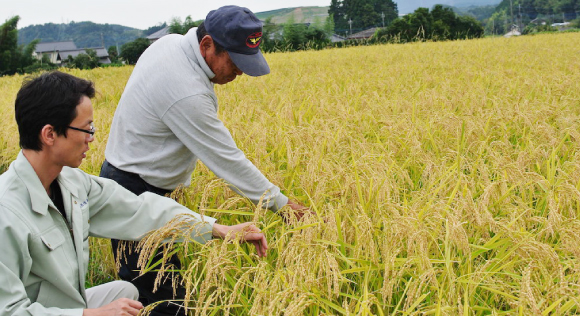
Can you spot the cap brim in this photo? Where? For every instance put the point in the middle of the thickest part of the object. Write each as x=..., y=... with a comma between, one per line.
x=253, y=65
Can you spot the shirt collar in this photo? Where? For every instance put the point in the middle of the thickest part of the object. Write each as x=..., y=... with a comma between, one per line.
x=189, y=43
x=38, y=197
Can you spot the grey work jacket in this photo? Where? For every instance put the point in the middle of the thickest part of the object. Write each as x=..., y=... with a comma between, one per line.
x=43, y=260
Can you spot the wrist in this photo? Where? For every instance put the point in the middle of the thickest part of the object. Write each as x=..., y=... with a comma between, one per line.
x=218, y=231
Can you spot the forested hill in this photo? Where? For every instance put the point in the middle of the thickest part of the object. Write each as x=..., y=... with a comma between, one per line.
x=84, y=34
x=408, y=6
x=299, y=14
x=531, y=9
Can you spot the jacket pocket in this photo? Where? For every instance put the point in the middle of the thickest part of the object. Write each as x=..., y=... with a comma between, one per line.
x=52, y=238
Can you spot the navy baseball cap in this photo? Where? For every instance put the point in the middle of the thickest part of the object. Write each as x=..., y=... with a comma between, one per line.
x=239, y=31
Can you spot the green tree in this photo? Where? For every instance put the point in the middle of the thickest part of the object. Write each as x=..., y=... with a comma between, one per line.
x=439, y=24
x=497, y=23
x=154, y=29
x=549, y=10
x=294, y=34
x=83, y=34
x=178, y=27
x=131, y=51
x=43, y=64
x=14, y=58
x=89, y=60
x=9, y=53
x=113, y=54
x=363, y=14
x=271, y=36
x=569, y=8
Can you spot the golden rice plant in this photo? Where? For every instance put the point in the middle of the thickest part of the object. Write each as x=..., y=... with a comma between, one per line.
x=445, y=178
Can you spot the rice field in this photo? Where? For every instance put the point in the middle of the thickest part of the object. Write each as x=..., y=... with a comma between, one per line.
x=445, y=178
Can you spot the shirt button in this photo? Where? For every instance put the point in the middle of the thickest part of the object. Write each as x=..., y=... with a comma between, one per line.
x=75, y=202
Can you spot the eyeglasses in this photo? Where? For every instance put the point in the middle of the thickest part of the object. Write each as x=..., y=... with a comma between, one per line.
x=88, y=131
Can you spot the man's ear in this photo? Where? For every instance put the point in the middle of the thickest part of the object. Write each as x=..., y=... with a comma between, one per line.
x=205, y=45
x=47, y=135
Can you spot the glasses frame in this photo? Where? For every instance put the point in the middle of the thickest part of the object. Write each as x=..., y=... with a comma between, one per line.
x=90, y=132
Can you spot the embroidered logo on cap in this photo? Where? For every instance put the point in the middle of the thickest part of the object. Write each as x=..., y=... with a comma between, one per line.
x=254, y=40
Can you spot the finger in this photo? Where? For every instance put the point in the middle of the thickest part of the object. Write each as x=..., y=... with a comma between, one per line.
x=264, y=243
x=262, y=246
x=135, y=304
x=253, y=236
x=259, y=243
x=133, y=311
x=259, y=249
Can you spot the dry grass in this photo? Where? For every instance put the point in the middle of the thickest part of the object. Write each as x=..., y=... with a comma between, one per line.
x=445, y=177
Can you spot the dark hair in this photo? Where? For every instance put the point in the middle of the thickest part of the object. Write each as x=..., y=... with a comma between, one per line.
x=50, y=98
x=201, y=32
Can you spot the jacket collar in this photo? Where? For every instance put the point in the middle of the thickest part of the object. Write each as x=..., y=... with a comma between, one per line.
x=38, y=197
x=190, y=45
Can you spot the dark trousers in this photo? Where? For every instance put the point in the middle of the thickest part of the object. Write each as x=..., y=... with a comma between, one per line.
x=130, y=254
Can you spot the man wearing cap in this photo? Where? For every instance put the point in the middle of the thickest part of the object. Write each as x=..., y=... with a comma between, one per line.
x=167, y=119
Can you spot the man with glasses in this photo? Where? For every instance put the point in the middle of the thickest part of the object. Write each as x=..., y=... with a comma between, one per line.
x=91, y=131
x=49, y=208
x=167, y=119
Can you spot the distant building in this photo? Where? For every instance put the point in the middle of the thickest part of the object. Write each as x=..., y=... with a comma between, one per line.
x=539, y=21
x=366, y=34
x=337, y=38
x=159, y=34
x=51, y=49
x=101, y=53
x=562, y=26
x=514, y=32
x=58, y=52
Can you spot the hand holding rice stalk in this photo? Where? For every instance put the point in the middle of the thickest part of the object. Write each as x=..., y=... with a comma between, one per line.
x=247, y=232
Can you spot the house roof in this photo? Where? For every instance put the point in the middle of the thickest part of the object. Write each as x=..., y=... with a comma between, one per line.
x=364, y=34
x=101, y=52
x=55, y=46
x=337, y=38
x=159, y=34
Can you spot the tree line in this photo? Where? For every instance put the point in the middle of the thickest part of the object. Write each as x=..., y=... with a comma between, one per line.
x=440, y=23
x=530, y=16
x=345, y=16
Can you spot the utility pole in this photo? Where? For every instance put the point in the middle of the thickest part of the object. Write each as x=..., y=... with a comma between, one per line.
x=512, y=10
x=383, y=16
x=520, y=26
x=350, y=25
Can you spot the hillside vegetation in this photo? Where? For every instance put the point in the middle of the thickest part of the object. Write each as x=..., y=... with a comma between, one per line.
x=445, y=178
x=83, y=34
x=299, y=15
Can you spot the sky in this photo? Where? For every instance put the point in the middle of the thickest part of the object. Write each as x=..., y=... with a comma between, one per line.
x=140, y=14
